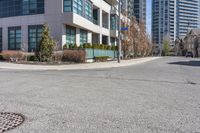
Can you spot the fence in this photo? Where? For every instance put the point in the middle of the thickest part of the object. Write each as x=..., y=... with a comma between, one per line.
x=91, y=53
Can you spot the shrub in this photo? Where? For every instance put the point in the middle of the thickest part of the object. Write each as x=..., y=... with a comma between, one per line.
x=1, y=57
x=65, y=47
x=46, y=46
x=80, y=47
x=58, y=56
x=107, y=47
x=113, y=47
x=101, y=46
x=87, y=45
x=166, y=48
x=101, y=58
x=95, y=46
x=77, y=56
x=32, y=58
x=13, y=55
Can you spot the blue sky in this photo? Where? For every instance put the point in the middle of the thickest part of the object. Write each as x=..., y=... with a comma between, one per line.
x=149, y=16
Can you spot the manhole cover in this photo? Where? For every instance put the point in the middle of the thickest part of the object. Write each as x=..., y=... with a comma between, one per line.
x=10, y=121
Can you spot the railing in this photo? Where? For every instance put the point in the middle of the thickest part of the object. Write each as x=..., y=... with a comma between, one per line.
x=91, y=53
x=105, y=25
x=95, y=21
x=113, y=10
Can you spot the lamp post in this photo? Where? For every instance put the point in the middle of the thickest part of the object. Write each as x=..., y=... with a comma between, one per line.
x=119, y=32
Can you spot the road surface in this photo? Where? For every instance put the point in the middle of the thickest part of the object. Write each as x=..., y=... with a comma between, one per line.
x=161, y=96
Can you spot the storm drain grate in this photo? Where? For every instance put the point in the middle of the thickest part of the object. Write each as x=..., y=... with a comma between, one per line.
x=10, y=121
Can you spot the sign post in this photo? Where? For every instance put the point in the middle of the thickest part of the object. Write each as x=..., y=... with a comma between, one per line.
x=119, y=30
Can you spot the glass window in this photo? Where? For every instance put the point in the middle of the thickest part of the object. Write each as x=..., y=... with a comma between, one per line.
x=112, y=40
x=33, y=7
x=67, y=5
x=1, y=40
x=9, y=8
x=14, y=38
x=83, y=36
x=34, y=36
x=70, y=35
x=88, y=10
x=78, y=7
x=113, y=22
x=81, y=7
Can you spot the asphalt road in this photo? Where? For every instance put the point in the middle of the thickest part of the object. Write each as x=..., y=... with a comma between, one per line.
x=161, y=96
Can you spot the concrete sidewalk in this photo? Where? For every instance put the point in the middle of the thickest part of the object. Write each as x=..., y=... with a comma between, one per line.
x=100, y=65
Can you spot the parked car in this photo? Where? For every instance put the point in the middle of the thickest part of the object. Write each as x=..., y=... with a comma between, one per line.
x=189, y=54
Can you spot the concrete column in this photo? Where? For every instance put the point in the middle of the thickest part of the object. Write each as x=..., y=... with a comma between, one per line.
x=63, y=34
x=24, y=31
x=100, y=38
x=5, y=38
x=101, y=25
x=109, y=40
x=109, y=43
x=109, y=21
x=100, y=18
x=77, y=36
x=89, y=37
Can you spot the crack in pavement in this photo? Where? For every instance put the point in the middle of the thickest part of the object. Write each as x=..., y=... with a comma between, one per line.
x=134, y=79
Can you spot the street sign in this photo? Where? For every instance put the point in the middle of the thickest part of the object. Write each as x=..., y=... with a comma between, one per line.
x=124, y=28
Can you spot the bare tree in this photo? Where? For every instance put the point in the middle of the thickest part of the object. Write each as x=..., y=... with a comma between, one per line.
x=135, y=41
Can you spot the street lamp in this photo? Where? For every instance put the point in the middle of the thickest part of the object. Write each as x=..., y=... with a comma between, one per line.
x=119, y=32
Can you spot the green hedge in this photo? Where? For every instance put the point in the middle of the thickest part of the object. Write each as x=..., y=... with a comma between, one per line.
x=32, y=58
x=1, y=57
x=88, y=45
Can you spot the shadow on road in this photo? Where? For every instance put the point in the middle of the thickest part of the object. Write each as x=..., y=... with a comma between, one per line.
x=186, y=63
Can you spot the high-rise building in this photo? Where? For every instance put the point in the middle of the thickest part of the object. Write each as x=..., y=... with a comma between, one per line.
x=70, y=21
x=188, y=16
x=136, y=8
x=139, y=10
x=173, y=18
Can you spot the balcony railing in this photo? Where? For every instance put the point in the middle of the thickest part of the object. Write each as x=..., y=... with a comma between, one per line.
x=105, y=25
x=113, y=10
x=91, y=53
x=95, y=21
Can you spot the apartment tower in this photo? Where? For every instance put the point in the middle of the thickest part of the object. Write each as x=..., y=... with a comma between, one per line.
x=71, y=22
x=173, y=18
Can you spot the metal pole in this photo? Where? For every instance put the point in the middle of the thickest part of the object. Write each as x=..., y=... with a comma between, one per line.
x=119, y=32
x=161, y=49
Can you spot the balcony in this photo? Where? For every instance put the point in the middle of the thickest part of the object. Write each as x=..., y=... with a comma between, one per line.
x=114, y=33
x=105, y=20
x=114, y=10
x=96, y=15
x=112, y=2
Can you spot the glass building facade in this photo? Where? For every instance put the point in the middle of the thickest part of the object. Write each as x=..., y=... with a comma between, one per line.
x=1, y=40
x=81, y=7
x=70, y=35
x=114, y=22
x=10, y=8
x=14, y=38
x=137, y=8
x=23, y=32
x=34, y=36
x=162, y=17
x=173, y=18
x=188, y=16
x=83, y=36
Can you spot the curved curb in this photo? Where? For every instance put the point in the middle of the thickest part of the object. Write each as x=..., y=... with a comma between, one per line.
x=101, y=65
